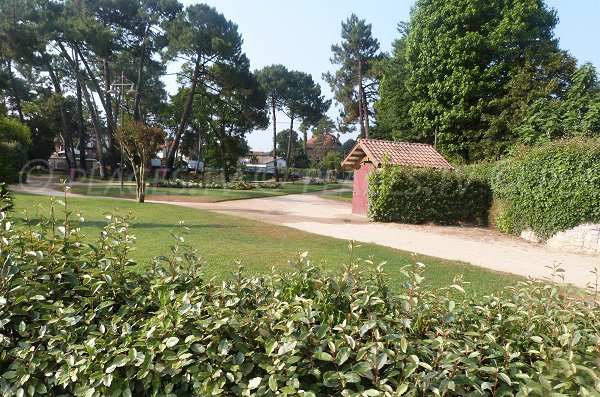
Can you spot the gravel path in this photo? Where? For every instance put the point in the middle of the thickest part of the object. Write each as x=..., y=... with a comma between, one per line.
x=479, y=246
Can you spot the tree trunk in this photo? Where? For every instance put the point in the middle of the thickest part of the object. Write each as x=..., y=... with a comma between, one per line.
x=184, y=119
x=81, y=130
x=90, y=104
x=361, y=115
x=96, y=124
x=110, y=127
x=275, y=170
x=222, y=151
x=289, y=149
x=365, y=112
x=142, y=184
x=140, y=72
x=13, y=84
x=305, y=136
x=67, y=133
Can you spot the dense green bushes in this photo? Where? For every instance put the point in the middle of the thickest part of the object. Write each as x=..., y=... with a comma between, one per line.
x=6, y=198
x=420, y=195
x=14, y=139
x=75, y=321
x=549, y=188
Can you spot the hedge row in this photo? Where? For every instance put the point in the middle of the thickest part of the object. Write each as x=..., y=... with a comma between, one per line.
x=549, y=188
x=13, y=157
x=421, y=195
x=75, y=321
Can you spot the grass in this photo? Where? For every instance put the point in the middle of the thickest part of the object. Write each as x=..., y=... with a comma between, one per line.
x=222, y=240
x=345, y=196
x=205, y=195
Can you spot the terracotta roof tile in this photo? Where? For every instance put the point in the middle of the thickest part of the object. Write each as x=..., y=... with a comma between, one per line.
x=401, y=153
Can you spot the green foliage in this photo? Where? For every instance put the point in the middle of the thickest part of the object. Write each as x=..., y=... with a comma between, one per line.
x=575, y=115
x=11, y=131
x=421, y=195
x=13, y=157
x=470, y=68
x=6, y=198
x=354, y=84
x=550, y=188
x=14, y=140
x=76, y=321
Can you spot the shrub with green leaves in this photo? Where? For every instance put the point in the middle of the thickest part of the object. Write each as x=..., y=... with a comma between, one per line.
x=421, y=195
x=75, y=321
x=14, y=139
x=6, y=198
x=549, y=188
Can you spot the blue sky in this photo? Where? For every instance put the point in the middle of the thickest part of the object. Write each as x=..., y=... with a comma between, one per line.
x=299, y=35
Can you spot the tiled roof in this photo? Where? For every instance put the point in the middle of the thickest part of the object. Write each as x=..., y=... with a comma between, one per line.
x=400, y=153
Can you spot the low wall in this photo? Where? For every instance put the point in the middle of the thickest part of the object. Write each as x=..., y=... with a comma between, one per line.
x=584, y=238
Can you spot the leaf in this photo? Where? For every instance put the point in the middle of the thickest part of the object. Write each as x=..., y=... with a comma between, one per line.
x=381, y=360
x=352, y=377
x=323, y=356
x=272, y=383
x=342, y=355
x=254, y=383
x=403, y=344
x=505, y=378
x=172, y=341
x=402, y=389
x=366, y=327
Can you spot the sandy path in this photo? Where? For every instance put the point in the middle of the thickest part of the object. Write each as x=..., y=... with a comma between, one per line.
x=478, y=246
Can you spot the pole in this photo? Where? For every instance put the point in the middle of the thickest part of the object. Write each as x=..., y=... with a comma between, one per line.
x=122, y=125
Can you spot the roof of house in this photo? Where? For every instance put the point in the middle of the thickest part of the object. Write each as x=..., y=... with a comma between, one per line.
x=327, y=138
x=400, y=153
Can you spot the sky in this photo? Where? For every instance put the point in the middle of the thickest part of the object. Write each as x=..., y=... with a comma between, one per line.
x=299, y=33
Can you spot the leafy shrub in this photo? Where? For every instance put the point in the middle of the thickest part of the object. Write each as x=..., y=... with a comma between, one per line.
x=75, y=321
x=13, y=157
x=420, y=195
x=6, y=198
x=236, y=185
x=550, y=188
x=14, y=139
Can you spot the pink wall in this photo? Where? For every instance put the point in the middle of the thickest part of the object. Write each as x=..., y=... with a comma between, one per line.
x=360, y=189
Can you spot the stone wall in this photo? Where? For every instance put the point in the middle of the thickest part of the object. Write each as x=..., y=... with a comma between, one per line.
x=584, y=238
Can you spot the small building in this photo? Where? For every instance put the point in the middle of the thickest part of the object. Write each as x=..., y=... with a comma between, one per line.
x=368, y=154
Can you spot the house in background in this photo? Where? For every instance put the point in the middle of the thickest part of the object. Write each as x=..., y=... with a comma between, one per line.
x=319, y=145
x=368, y=154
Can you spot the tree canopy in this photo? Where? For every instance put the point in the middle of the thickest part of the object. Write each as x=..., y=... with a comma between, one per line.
x=470, y=70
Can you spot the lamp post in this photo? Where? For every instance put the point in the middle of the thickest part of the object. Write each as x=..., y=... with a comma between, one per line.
x=122, y=104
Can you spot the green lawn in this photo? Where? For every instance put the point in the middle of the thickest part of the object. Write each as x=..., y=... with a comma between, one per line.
x=207, y=195
x=345, y=196
x=222, y=239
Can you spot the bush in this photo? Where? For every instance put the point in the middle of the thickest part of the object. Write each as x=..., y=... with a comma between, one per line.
x=75, y=321
x=549, y=188
x=421, y=195
x=13, y=157
x=6, y=198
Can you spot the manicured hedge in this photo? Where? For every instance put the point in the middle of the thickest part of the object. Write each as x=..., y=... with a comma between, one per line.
x=549, y=188
x=75, y=321
x=421, y=195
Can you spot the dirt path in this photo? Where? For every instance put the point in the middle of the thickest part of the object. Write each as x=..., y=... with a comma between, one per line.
x=478, y=246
